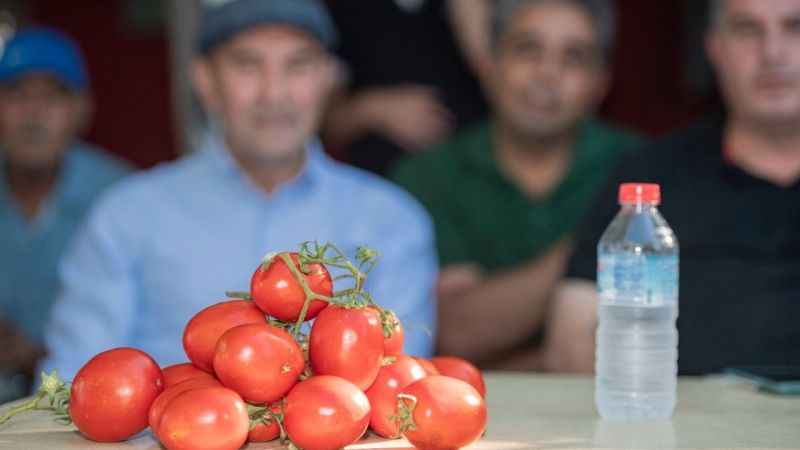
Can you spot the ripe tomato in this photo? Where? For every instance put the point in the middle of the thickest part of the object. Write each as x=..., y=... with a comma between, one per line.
x=347, y=343
x=449, y=413
x=111, y=395
x=382, y=394
x=161, y=402
x=204, y=330
x=205, y=419
x=275, y=290
x=260, y=362
x=325, y=413
x=393, y=345
x=265, y=432
x=462, y=369
x=181, y=372
x=426, y=364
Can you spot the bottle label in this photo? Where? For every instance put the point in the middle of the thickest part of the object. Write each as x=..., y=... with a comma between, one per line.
x=639, y=279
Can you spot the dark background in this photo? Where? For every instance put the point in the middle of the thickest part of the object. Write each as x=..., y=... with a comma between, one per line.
x=660, y=78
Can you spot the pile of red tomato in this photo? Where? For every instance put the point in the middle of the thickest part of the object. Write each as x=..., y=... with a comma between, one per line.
x=254, y=375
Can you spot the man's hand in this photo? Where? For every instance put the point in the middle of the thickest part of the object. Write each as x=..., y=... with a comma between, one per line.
x=505, y=308
x=569, y=343
x=411, y=116
x=458, y=278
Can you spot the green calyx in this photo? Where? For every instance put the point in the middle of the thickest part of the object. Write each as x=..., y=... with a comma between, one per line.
x=406, y=404
x=267, y=415
x=57, y=394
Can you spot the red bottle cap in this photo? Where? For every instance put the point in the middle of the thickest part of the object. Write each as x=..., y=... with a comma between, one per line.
x=633, y=193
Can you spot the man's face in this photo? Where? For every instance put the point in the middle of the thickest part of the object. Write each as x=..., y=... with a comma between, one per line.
x=39, y=118
x=549, y=71
x=755, y=48
x=268, y=85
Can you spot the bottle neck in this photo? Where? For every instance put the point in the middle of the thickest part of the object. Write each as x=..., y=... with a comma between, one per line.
x=639, y=208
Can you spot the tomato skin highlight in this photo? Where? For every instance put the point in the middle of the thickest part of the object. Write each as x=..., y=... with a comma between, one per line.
x=177, y=373
x=347, y=343
x=462, y=369
x=382, y=394
x=163, y=399
x=275, y=290
x=111, y=395
x=449, y=413
x=209, y=418
x=326, y=413
x=426, y=364
x=260, y=362
x=206, y=327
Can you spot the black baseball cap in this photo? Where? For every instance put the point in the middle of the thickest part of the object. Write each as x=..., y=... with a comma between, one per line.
x=222, y=19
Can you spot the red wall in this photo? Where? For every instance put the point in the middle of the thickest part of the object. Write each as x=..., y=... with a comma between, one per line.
x=649, y=91
x=129, y=72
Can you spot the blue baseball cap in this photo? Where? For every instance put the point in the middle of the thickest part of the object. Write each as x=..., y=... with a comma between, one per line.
x=222, y=19
x=43, y=50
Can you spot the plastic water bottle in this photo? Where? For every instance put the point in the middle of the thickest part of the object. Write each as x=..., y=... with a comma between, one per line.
x=637, y=282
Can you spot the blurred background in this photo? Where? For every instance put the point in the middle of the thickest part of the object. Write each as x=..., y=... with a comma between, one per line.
x=138, y=53
x=137, y=49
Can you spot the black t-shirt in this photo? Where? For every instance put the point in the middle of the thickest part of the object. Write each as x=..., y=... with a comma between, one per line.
x=739, y=239
x=387, y=44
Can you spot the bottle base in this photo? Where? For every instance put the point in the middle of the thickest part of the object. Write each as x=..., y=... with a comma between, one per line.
x=635, y=407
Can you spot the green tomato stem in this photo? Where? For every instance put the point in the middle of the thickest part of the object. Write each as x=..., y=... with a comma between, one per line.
x=27, y=406
x=238, y=294
x=52, y=388
x=309, y=294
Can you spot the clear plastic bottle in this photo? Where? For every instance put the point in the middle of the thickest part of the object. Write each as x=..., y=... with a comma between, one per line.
x=637, y=282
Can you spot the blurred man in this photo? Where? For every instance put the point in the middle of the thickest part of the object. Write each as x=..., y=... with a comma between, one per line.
x=165, y=244
x=731, y=192
x=506, y=196
x=48, y=180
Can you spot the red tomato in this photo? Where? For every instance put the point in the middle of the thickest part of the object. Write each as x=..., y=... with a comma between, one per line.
x=276, y=291
x=260, y=362
x=265, y=432
x=382, y=394
x=393, y=345
x=209, y=418
x=204, y=330
x=462, y=369
x=347, y=343
x=325, y=413
x=161, y=402
x=426, y=364
x=181, y=372
x=111, y=395
x=449, y=413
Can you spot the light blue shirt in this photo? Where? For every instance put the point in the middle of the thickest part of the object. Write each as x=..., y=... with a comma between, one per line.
x=30, y=250
x=166, y=243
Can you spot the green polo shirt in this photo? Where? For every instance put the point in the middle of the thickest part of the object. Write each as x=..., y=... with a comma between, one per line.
x=482, y=217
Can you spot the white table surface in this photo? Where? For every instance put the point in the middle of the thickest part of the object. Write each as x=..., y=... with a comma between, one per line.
x=545, y=412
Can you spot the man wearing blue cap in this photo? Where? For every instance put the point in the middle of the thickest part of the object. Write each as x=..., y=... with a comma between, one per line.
x=48, y=179
x=164, y=244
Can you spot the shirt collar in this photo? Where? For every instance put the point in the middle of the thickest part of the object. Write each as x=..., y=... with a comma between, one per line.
x=66, y=189
x=65, y=185
x=215, y=151
x=480, y=151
